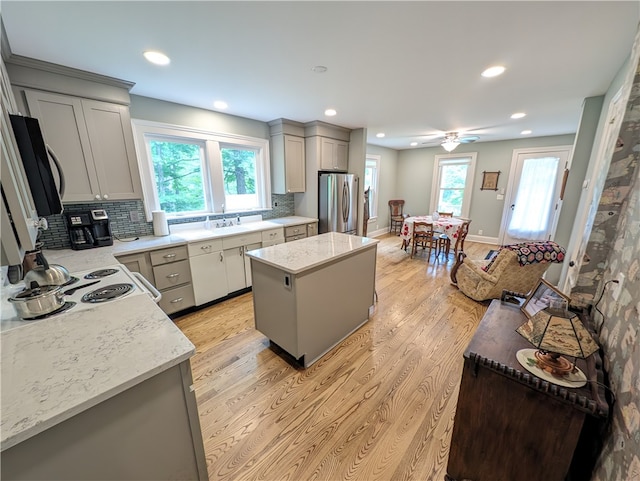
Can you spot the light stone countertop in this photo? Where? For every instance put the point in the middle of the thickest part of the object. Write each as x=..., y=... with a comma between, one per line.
x=311, y=252
x=195, y=231
x=56, y=368
x=53, y=369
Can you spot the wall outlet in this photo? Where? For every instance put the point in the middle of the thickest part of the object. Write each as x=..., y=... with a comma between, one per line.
x=480, y=232
x=134, y=216
x=617, y=288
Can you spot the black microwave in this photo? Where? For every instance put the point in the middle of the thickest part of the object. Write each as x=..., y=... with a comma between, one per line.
x=37, y=166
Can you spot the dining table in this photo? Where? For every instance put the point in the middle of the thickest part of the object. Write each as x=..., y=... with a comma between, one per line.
x=446, y=225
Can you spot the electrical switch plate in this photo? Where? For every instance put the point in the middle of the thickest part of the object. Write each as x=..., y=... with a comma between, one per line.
x=617, y=288
x=500, y=197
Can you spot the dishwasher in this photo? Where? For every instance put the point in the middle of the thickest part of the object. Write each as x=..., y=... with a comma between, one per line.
x=208, y=271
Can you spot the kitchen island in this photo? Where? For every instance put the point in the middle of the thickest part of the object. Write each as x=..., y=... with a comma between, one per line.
x=100, y=393
x=311, y=294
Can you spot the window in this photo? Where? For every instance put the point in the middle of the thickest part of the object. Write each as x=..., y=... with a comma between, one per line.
x=453, y=183
x=189, y=172
x=371, y=169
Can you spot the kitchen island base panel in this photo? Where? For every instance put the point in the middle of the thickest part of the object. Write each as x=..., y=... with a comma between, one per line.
x=309, y=313
x=150, y=431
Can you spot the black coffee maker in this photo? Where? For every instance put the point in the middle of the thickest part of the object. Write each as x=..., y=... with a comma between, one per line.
x=88, y=229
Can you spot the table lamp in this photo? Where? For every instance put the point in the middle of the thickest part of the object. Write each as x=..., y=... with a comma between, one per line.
x=555, y=332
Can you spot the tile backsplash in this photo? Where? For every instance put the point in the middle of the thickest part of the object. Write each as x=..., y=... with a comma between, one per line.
x=123, y=215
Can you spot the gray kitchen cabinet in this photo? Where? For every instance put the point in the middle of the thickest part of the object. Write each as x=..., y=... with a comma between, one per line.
x=334, y=154
x=208, y=271
x=312, y=229
x=238, y=267
x=169, y=271
x=140, y=262
x=94, y=143
x=172, y=276
x=295, y=232
x=287, y=157
x=149, y=431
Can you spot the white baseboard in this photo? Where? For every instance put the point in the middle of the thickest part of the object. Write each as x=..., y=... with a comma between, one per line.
x=482, y=239
x=378, y=233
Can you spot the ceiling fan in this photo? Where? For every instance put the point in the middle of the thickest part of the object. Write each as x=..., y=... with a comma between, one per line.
x=451, y=140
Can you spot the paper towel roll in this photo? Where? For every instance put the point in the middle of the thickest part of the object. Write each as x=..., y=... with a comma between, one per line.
x=160, y=224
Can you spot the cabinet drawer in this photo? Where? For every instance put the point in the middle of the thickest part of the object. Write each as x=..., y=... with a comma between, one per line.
x=296, y=230
x=170, y=275
x=176, y=299
x=241, y=240
x=166, y=256
x=204, y=247
x=296, y=237
x=273, y=235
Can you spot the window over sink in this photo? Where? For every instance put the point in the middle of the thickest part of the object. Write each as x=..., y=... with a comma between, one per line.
x=191, y=172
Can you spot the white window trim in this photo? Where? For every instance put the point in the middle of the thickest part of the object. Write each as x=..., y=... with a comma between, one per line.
x=468, y=189
x=211, y=142
x=374, y=205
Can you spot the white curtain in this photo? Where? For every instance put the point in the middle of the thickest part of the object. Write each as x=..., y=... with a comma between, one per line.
x=530, y=217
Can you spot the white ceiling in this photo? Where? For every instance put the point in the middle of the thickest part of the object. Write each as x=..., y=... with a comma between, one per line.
x=409, y=69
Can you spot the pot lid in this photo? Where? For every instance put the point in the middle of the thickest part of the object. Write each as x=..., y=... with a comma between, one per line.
x=34, y=292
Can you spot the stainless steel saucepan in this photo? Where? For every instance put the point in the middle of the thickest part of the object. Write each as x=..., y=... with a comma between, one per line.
x=37, y=300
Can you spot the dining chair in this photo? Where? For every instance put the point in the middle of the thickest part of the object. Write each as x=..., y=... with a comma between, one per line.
x=396, y=215
x=444, y=242
x=424, y=237
x=445, y=214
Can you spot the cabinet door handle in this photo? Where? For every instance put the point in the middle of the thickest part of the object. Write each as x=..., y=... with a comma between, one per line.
x=97, y=196
x=176, y=300
x=206, y=247
x=105, y=196
x=221, y=257
x=169, y=256
x=171, y=276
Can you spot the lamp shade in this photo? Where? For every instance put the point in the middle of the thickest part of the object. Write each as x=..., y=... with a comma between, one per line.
x=558, y=331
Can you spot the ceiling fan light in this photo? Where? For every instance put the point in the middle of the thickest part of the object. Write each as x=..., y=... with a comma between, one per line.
x=449, y=145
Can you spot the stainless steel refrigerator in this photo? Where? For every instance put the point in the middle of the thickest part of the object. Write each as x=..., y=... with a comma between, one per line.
x=337, y=203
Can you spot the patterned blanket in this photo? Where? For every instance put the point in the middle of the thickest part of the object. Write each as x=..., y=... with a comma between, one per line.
x=534, y=252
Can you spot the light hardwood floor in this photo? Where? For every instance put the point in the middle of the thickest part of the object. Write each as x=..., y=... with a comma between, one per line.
x=379, y=406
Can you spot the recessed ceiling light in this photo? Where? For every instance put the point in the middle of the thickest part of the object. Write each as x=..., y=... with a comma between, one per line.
x=330, y=112
x=319, y=69
x=525, y=132
x=220, y=104
x=413, y=144
x=518, y=115
x=380, y=135
x=157, y=58
x=493, y=71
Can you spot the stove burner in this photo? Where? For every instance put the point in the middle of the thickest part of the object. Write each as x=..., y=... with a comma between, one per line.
x=64, y=308
x=107, y=293
x=100, y=273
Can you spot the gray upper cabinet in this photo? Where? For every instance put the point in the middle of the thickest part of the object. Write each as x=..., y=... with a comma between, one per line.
x=334, y=154
x=327, y=146
x=287, y=157
x=93, y=141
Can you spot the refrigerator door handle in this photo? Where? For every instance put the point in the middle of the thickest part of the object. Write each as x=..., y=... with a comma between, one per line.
x=346, y=201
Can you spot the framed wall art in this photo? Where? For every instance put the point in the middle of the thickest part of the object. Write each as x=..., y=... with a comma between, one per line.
x=490, y=180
